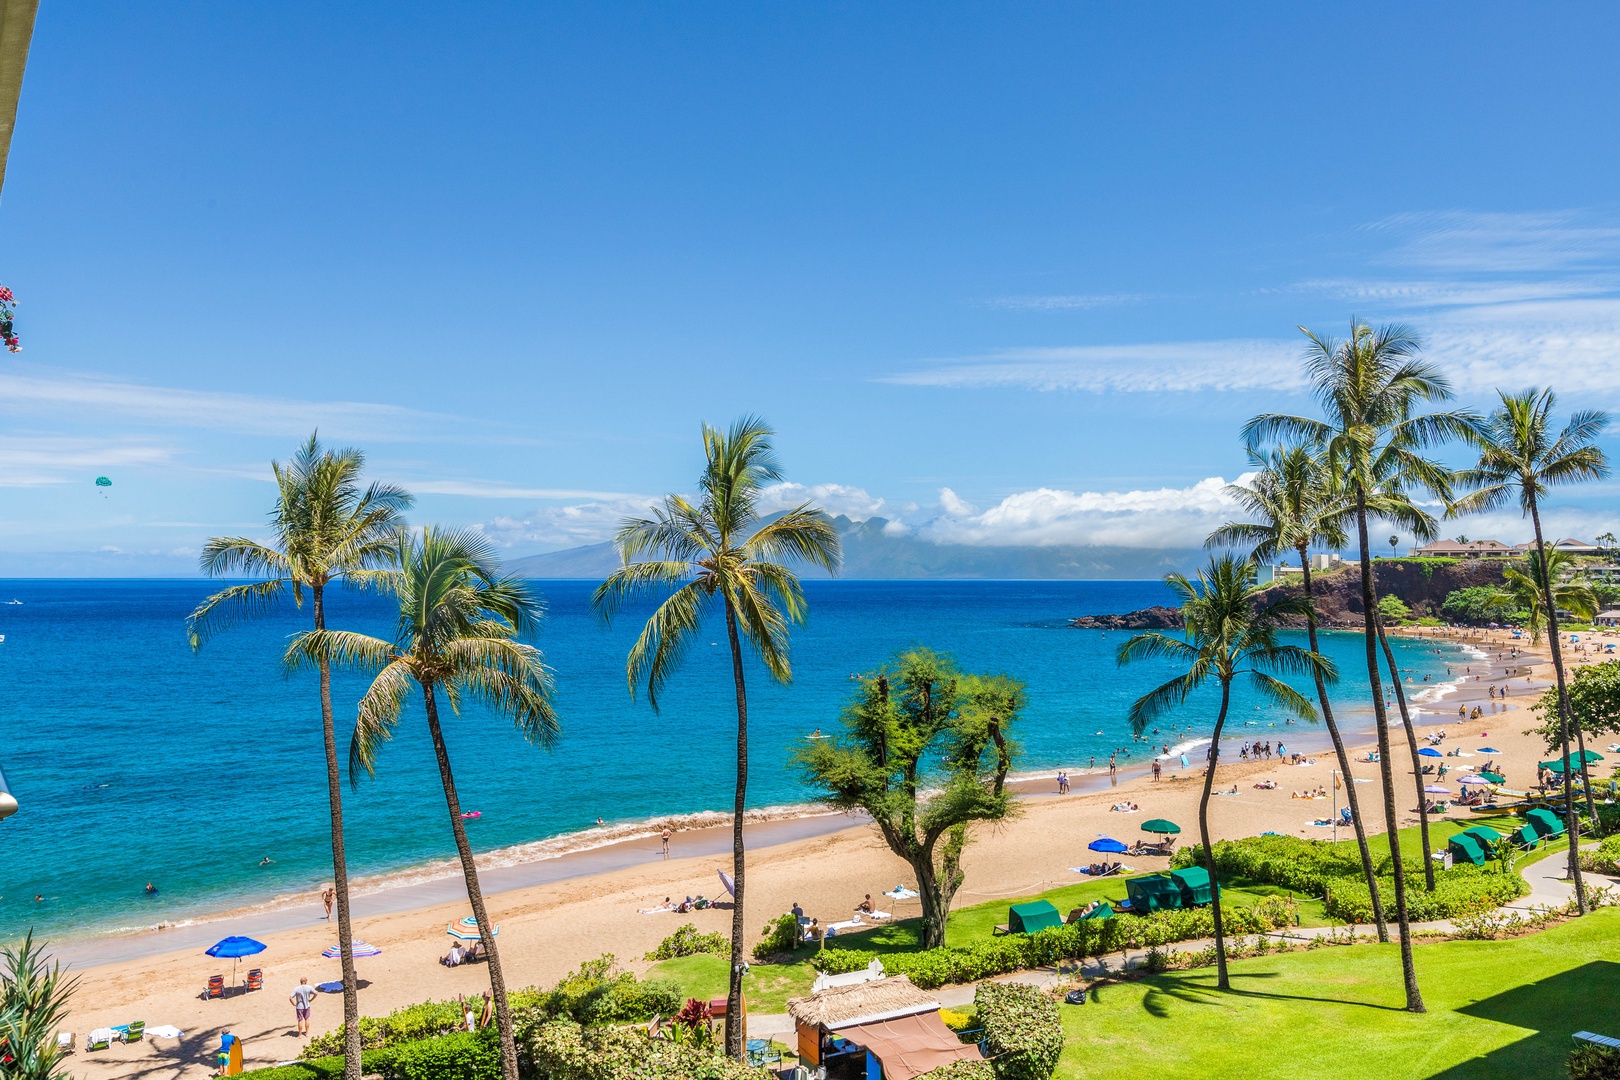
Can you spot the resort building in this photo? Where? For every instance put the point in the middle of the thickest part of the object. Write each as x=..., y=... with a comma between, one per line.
x=1607, y=618
x=1567, y=546
x=1471, y=549
x=874, y=1029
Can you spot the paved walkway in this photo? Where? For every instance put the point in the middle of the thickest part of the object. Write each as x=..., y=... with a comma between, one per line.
x=1547, y=889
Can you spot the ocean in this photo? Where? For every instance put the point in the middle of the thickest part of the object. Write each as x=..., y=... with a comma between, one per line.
x=136, y=760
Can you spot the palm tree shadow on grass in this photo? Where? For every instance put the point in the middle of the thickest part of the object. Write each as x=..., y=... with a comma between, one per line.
x=1162, y=989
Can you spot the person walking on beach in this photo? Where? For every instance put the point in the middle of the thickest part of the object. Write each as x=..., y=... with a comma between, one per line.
x=327, y=896
x=1156, y=768
x=226, y=1041
x=666, y=841
x=301, y=997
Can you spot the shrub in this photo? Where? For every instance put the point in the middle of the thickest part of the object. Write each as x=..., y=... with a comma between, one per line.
x=963, y=1070
x=562, y=1050
x=688, y=942
x=1604, y=860
x=957, y=1020
x=1589, y=1062
x=781, y=935
x=465, y=1055
x=1021, y=1025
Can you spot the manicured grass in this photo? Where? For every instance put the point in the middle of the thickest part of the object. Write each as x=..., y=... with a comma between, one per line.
x=1496, y=1009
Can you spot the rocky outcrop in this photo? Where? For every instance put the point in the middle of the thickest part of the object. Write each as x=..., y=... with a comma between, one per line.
x=1153, y=618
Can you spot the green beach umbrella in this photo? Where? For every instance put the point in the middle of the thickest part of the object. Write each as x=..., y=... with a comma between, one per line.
x=1160, y=825
x=1495, y=778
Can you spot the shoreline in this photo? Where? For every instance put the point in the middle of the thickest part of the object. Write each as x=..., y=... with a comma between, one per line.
x=581, y=854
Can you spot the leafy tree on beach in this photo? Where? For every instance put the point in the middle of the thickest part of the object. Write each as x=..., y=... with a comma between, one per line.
x=1293, y=503
x=723, y=548
x=1370, y=388
x=459, y=630
x=326, y=529
x=1478, y=604
x=1525, y=587
x=1520, y=457
x=926, y=754
x=1230, y=633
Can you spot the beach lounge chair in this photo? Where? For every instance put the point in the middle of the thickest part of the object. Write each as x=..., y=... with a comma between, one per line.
x=66, y=1042
x=134, y=1031
x=216, y=986
x=99, y=1039
x=255, y=979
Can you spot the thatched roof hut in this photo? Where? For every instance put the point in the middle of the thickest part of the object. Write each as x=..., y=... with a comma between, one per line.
x=886, y=1019
x=842, y=1006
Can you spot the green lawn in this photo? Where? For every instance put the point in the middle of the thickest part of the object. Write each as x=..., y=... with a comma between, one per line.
x=1496, y=1009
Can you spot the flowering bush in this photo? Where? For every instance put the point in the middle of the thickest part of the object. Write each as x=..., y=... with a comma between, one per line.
x=8, y=320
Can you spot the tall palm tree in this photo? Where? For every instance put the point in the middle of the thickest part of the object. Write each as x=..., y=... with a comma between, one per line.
x=723, y=547
x=1293, y=504
x=1370, y=387
x=325, y=529
x=1230, y=632
x=459, y=630
x=1519, y=456
x=1524, y=586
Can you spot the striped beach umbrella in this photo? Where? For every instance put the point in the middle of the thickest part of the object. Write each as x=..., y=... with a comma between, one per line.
x=467, y=930
x=361, y=948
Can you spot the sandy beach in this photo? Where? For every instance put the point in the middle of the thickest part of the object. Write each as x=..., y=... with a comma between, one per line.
x=550, y=927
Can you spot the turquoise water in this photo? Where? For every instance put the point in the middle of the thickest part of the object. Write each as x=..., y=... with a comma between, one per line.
x=135, y=760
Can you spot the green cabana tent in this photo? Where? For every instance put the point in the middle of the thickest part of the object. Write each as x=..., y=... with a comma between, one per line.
x=1545, y=822
x=1526, y=836
x=1101, y=911
x=1194, y=885
x=1466, y=848
x=1153, y=892
x=1485, y=835
x=1028, y=918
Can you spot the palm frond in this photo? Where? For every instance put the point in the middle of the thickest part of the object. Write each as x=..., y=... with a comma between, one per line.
x=228, y=607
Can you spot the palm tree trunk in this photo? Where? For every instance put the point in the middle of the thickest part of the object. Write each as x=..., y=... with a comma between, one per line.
x=1369, y=605
x=1563, y=709
x=1586, y=775
x=1221, y=981
x=475, y=895
x=736, y=1031
x=340, y=862
x=1417, y=759
x=1344, y=759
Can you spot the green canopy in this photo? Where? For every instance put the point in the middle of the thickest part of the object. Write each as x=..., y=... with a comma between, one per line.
x=1153, y=892
x=1194, y=884
x=1526, y=836
x=1101, y=911
x=1485, y=835
x=1028, y=918
x=1575, y=759
x=1466, y=848
x=1160, y=825
x=1545, y=822
x=1495, y=778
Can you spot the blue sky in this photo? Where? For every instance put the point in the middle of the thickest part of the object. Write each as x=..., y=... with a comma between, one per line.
x=1004, y=275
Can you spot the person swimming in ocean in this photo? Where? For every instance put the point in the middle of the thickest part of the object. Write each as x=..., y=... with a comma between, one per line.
x=151, y=889
x=266, y=861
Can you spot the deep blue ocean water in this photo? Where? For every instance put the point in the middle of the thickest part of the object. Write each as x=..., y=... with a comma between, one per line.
x=136, y=760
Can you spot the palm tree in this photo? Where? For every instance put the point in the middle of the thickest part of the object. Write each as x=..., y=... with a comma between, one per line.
x=1519, y=456
x=459, y=628
x=326, y=529
x=1294, y=503
x=722, y=548
x=1230, y=632
x=1370, y=387
x=1575, y=597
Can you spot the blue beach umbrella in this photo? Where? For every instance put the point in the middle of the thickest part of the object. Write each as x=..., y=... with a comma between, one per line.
x=1429, y=751
x=1489, y=750
x=233, y=949
x=1108, y=844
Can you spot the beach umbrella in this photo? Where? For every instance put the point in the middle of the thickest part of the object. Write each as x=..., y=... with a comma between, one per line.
x=233, y=949
x=467, y=930
x=1160, y=825
x=1495, y=778
x=725, y=880
x=361, y=948
x=1489, y=750
x=1108, y=844
x=1475, y=781
x=1436, y=789
x=1429, y=751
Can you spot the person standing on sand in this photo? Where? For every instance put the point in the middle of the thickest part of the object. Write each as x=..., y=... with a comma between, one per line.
x=226, y=1041
x=1155, y=770
x=301, y=997
x=326, y=899
x=487, y=1014
x=666, y=841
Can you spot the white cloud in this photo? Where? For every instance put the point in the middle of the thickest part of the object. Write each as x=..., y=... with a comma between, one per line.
x=1433, y=294
x=1161, y=366
x=835, y=499
x=29, y=394
x=27, y=461
x=1161, y=517
x=565, y=526
x=1501, y=242
x=495, y=489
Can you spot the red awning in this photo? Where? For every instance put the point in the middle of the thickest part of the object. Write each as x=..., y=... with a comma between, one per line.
x=911, y=1045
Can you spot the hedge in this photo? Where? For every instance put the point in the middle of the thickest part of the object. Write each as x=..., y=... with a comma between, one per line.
x=1319, y=868
x=989, y=957
x=1022, y=1027
x=562, y=1050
